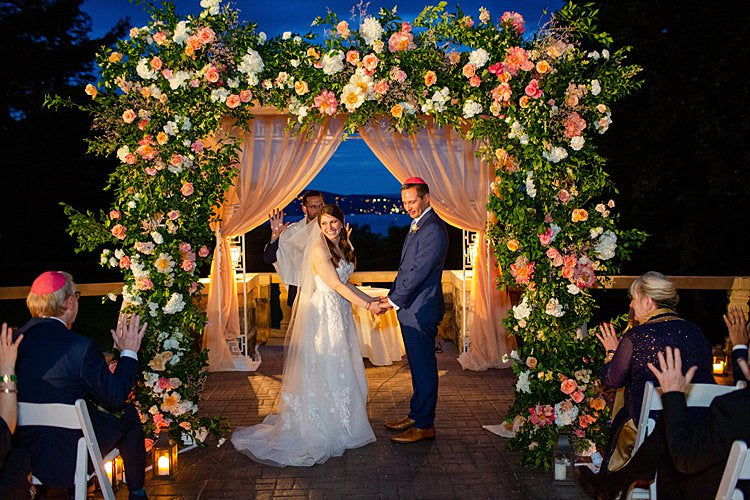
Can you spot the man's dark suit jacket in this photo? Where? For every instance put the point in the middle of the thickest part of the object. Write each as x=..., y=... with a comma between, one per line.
x=56, y=365
x=699, y=450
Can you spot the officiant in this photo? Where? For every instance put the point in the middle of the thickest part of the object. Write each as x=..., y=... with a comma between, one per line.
x=277, y=251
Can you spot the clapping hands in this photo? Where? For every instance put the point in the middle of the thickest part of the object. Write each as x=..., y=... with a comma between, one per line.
x=129, y=332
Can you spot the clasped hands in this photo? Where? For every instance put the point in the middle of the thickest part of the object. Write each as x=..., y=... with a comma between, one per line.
x=379, y=306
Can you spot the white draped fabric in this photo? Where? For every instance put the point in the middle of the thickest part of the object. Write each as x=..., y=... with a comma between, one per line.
x=274, y=167
x=459, y=189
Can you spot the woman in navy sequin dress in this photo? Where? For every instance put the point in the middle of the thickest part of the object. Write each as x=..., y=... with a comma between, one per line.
x=653, y=299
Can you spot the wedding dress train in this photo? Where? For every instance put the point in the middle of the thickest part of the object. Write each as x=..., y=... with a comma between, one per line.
x=322, y=406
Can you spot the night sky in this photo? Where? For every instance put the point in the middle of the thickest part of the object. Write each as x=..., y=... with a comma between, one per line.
x=353, y=160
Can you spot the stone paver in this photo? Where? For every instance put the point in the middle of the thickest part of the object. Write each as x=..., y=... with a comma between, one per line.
x=465, y=461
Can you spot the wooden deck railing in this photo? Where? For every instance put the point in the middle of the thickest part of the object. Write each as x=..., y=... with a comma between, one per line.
x=258, y=289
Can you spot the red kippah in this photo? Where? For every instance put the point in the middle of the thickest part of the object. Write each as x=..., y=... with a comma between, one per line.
x=415, y=180
x=48, y=282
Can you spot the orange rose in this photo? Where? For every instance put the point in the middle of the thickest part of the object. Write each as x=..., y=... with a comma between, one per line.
x=568, y=386
x=194, y=43
x=397, y=111
x=91, y=90
x=524, y=101
x=312, y=52
x=115, y=57
x=475, y=81
x=512, y=245
x=577, y=396
x=543, y=67
x=430, y=78
x=598, y=403
x=156, y=63
x=352, y=57
x=162, y=138
x=580, y=215
x=301, y=88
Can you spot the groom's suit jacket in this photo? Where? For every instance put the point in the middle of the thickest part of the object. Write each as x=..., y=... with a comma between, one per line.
x=56, y=365
x=417, y=290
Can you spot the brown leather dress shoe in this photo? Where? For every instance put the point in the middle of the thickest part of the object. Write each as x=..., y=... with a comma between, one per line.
x=399, y=425
x=414, y=435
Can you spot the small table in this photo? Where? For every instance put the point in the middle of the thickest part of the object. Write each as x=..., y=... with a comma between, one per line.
x=379, y=336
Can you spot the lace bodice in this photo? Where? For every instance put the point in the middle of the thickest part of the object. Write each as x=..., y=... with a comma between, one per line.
x=344, y=270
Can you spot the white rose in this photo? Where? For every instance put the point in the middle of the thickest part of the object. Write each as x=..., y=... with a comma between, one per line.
x=286, y=35
x=370, y=30
x=479, y=57
x=181, y=33
x=523, y=382
x=471, y=108
x=596, y=88
x=577, y=142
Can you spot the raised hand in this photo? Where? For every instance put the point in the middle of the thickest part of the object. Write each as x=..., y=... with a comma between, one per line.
x=8, y=350
x=349, y=230
x=276, y=218
x=607, y=336
x=737, y=325
x=669, y=374
x=129, y=332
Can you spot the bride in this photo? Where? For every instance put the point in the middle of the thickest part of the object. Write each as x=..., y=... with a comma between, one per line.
x=322, y=406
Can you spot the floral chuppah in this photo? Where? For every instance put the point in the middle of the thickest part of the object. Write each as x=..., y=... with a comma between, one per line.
x=533, y=106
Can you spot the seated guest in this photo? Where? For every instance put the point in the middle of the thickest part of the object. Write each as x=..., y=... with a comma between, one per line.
x=688, y=455
x=56, y=365
x=739, y=329
x=15, y=469
x=653, y=300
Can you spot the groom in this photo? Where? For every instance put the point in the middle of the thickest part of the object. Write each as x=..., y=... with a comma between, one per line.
x=417, y=296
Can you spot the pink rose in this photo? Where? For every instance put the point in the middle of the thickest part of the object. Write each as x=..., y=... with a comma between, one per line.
x=114, y=214
x=193, y=287
x=146, y=284
x=203, y=252
x=125, y=262
x=577, y=396
x=352, y=57
x=187, y=189
x=156, y=63
x=563, y=196
x=119, y=231
x=233, y=101
x=206, y=35
x=197, y=146
x=176, y=160
x=164, y=384
x=185, y=247
x=212, y=75
x=173, y=214
x=568, y=386
x=546, y=238
x=533, y=90
x=167, y=73
x=475, y=81
x=130, y=159
x=188, y=266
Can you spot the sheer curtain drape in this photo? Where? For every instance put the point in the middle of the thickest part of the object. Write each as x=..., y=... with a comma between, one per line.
x=459, y=188
x=274, y=168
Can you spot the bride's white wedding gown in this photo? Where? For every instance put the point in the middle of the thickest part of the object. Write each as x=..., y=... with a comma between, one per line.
x=322, y=408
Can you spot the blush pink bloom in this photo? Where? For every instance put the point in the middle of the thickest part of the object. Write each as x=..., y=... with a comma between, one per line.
x=568, y=386
x=401, y=41
x=119, y=231
x=203, y=252
x=532, y=89
x=468, y=22
x=114, y=214
x=187, y=189
x=542, y=415
x=370, y=62
x=185, y=247
x=555, y=257
x=577, y=396
x=176, y=160
x=546, y=238
x=212, y=75
x=326, y=102
x=515, y=20
x=522, y=270
x=130, y=159
x=343, y=30
x=563, y=195
x=517, y=59
x=188, y=266
x=167, y=73
x=206, y=35
x=197, y=146
x=193, y=287
x=124, y=262
x=469, y=70
x=160, y=37
x=164, y=384
x=475, y=81
x=173, y=214
x=381, y=87
x=574, y=125
x=145, y=284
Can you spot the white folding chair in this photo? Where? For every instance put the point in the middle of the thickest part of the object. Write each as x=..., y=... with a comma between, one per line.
x=697, y=395
x=72, y=417
x=738, y=467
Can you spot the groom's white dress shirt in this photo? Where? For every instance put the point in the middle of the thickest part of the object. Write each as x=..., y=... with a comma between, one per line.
x=287, y=261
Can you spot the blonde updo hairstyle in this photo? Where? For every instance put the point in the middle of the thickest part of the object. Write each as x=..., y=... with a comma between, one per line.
x=658, y=288
x=51, y=304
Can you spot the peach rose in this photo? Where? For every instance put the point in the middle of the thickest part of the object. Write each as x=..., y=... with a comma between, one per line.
x=475, y=81
x=187, y=189
x=119, y=231
x=188, y=266
x=598, y=403
x=343, y=30
x=206, y=35
x=370, y=62
x=124, y=262
x=381, y=87
x=176, y=160
x=233, y=101
x=312, y=52
x=194, y=43
x=543, y=67
x=397, y=111
x=523, y=101
x=352, y=57
x=160, y=37
x=91, y=90
x=114, y=214
x=212, y=75
x=162, y=138
x=531, y=362
x=568, y=386
x=129, y=116
x=430, y=78
x=246, y=95
x=130, y=159
x=512, y=245
x=577, y=396
x=301, y=88
x=156, y=63
x=469, y=70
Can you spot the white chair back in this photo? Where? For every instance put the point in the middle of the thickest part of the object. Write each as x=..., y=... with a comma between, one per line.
x=72, y=417
x=697, y=396
x=738, y=467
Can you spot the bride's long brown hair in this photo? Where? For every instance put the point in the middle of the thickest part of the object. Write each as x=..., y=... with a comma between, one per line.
x=345, y=246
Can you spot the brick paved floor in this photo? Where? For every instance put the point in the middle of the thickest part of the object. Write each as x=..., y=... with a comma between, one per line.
x=465, y=461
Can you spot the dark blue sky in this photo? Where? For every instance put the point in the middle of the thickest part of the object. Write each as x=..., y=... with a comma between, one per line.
x=353, y=169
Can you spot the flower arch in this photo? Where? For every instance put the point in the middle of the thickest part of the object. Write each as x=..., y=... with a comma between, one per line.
x=534, y=104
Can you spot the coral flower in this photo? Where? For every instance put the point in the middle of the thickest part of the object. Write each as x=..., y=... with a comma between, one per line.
x=430, y=78
x=568, y=386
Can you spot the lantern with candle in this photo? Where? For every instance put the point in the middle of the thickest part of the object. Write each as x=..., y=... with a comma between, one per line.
x=164, y=454
x=719, y=361
x=563, y=460
x=115, y=472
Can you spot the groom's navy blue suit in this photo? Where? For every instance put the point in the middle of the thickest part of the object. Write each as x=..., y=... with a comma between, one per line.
x=418, y=293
